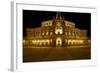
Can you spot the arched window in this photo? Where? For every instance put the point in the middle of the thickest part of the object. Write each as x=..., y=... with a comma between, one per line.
x=58, y=41
x=51, y=33
x=47, y=33
x=66, y=33
x=43, y=33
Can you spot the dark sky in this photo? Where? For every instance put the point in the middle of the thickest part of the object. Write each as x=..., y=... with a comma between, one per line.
x=32, y=19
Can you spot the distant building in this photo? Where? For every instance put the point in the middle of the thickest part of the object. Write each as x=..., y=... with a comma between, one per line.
x=57, y=32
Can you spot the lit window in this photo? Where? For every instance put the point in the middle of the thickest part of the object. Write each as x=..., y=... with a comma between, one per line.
x=73, y=33
x=51, y=33
x=47, y=33
x=58, y=41
x=58, y=30
x=66, y=33
x=69, y=33
x=42, y=33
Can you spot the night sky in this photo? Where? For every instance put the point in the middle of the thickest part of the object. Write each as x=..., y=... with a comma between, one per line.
x=33, y=19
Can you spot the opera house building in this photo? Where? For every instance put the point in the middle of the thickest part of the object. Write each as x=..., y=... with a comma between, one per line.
x=57, y=32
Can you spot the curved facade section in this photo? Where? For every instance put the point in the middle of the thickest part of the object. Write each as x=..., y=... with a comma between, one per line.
x=47, y=23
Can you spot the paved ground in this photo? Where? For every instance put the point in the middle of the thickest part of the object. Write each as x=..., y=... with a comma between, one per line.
x=55, y=54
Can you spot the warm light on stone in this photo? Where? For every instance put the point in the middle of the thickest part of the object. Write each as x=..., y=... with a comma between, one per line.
x=57, y=33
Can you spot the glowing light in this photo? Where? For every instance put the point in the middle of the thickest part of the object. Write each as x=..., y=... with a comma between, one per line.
x=58, y=41
x=75, y=42
x=80, y=41
x=51, y=33
x=57, y=31
x=47, y=33
x=33, y=41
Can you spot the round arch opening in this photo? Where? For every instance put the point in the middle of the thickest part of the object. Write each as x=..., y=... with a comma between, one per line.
x=58, y=41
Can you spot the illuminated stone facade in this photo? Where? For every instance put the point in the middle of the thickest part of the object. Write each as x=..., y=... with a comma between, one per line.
x=57, y=32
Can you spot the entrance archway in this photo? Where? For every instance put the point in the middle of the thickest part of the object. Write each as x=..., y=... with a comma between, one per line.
x=58, y=41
